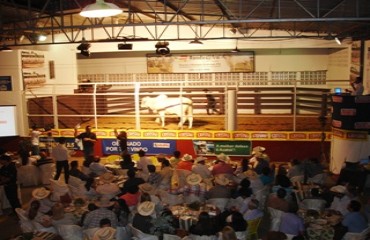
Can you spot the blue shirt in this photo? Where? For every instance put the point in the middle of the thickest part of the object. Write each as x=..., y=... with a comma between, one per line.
x=355, y=222
x=291, y=224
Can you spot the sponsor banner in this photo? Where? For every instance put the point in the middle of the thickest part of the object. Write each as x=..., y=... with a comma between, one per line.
x=205, y=62
x=348, y=112
x=209, y=135
x=230, y=148
x=362, y=125
x=354, y=135
x=111, y=146
x=337, y=99
x=336, y=123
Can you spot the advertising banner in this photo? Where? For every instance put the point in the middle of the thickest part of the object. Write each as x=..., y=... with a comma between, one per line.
x=206, y=62
x=230, y=148
x=111, y=146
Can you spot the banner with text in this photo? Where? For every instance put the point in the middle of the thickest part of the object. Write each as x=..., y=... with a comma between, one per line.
x=111, y=146
x=205, y=62
x=230, y=148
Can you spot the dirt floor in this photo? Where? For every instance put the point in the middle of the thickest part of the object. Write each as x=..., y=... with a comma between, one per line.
x=217, y=122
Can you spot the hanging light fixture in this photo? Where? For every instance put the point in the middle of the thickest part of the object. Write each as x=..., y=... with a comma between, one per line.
x=100, y=9
x=195, y=41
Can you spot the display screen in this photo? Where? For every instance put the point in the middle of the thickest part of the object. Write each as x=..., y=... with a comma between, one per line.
x=8, y=121
x=338, y=90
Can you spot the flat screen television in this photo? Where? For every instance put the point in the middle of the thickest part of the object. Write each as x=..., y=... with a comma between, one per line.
x=8, y=121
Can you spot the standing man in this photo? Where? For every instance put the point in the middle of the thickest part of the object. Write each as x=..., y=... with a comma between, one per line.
x=211, y=103
x=60, y=154
x=88, y=140
x=35, y=140
x=122, y=138
x=8, y=178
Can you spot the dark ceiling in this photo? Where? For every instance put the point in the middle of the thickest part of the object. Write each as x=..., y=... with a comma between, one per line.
x=21, y=19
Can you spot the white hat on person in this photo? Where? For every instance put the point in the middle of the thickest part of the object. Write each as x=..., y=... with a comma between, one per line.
x=146, y=208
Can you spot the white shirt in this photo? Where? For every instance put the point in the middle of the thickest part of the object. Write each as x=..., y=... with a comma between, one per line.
x=143, y=163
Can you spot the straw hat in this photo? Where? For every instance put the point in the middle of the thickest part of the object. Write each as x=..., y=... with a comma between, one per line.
x=258, y=149
x=40, y=193
x=250, y=174
x=200, y=159
x=147, y=188
x=104, y=202
x=223, y=157
x=339, y=189
x=146, y=208
x=107, y=177
x=187, y=157
x=221, y=179
x=105, y=233
x=193, y=179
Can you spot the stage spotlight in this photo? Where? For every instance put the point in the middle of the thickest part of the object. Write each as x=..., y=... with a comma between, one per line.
x=162, y=48
x=84, y=48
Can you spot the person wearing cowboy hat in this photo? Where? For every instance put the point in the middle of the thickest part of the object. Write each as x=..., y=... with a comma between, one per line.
x=200, y=167
x=107, y=188
x=105, y=232
x=92, y=219
x=97, y=168
x=43, y=196
x=60, y=217
x=143, y=218
x=151, y=191
x=194, y=190
x=256, y=183
x=341, y=199
x=222, y=166
x=186, y=163
x=258, y=152
x=221, y=189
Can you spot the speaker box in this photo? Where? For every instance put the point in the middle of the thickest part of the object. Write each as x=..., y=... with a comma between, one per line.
x=124, y=46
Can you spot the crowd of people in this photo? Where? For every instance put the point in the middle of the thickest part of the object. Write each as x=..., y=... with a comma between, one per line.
x=141, y=195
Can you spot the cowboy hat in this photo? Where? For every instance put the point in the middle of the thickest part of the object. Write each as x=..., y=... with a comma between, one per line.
x=187, y=157
x=193, y=179
x=146, y=208
x=104, y=202
x=258, y=149
x=147, y=188
x=105, y=233
x=223, y=157
x=221, y=179
x=200, y=159
x=339, y=189
x=40, y=193
x=107, y=177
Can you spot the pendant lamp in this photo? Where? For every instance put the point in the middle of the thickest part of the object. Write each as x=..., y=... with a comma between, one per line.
x=100, y=9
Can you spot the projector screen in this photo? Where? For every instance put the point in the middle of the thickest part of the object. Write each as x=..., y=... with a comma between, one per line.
x=8, y=121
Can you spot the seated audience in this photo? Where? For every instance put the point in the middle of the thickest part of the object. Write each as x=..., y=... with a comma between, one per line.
x=221, y=166
x=186, y=163
x=296, y=169
x=131, y=181
x=200, y=168
x=341, y=200
x=43, y=196
x=97, y=168
x=195, y=189
x=220, y=190
x=278, y=201
x=166, y=174
x=253, y=211
x=354, y=220
x=204, y=226
x=37, y=217
x=228, y=233
x=175, y=159
x=143, y=218
x=107, y=188
x=154, y=177
x=144, y=161
x=266, y=176
x=131, y=196
x=238, y=224
x=59, y=217
x=291, y=223
x=92, y=219
x=261, y=164
x=105, y=231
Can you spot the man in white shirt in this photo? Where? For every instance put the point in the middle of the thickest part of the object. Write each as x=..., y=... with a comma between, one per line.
x=143, y=163
x=60, y=154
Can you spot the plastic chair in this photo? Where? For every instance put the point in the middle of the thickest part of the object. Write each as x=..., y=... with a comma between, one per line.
x=25, y=223
x=252, y=231
x=70, y=232
x=220, y=203
x=28, y=175
x=46, y=173
x=111, y=159
x=275, y=215
x=136, y=233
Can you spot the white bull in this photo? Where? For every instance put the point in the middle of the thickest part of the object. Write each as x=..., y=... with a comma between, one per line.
x=162, y=104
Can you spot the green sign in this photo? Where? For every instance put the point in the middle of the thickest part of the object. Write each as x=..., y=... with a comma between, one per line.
x=230, y=148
